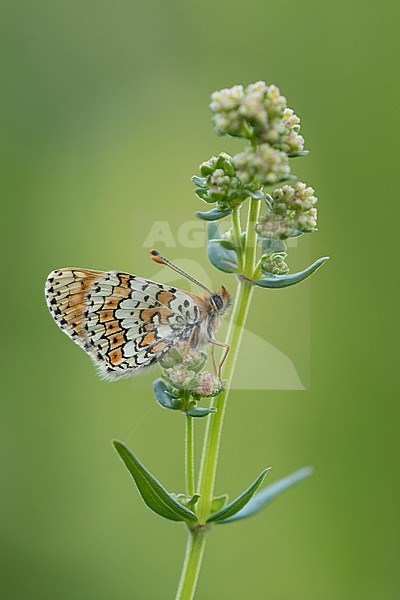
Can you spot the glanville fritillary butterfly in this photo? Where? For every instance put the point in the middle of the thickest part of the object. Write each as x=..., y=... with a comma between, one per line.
x=126, y=323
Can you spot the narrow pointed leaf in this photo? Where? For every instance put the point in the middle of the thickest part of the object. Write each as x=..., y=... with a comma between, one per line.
x=299, y=153
x=263, y=498
x=153, y=493
x=268, y=200
x=199, y=411
x=162, y=394
x=281, y=281
x=214, y=214
x=236, y=505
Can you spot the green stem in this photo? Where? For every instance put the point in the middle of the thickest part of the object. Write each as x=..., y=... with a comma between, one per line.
x=189, y=455
x=237, y=233
x=215, y=421
x=211, y=445
x=257, y=269
x=209, y=459
x=192, y=564
x=251, y=238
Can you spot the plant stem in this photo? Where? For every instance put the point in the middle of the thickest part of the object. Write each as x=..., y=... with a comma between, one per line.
x=189, y=455
x=237, y=231
x=209, y=459
x=251, y=238
x=192, y=564
x=244, y=294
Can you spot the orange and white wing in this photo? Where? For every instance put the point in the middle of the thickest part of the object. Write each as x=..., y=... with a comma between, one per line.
x=125, y=323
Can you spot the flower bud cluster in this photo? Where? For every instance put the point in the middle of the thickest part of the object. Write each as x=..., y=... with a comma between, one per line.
x=258, y=112
x=292, y=212
x=220, y=183
x=274, y=264
x=182, y=370
x=263, y=164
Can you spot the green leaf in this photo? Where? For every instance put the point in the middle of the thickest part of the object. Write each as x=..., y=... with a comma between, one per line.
x=222, y=258
x=213, y=232
x=203, y=193
x=268, y=200
x=263, y=498
x=200, y=182
x=163, y=395
x=199, y=411
x=256, y=195
x=214, y=214
x=153, y=493
x=270, y=246
x=233, y=507
x=288, y=177
x=247, y=130
x=193, y=500
x=185, y=500
x=218, y=502
x=299, y=153
x=281, y=281
x=227, y=243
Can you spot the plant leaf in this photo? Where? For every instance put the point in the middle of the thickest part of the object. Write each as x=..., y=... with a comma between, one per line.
x=270, y=246
x=281, y=281
x=203, y=194
x=236, y=505
x=193, y=500
x=199, y=411
x=263, y=498
x=213, y=232
x=256, y=195
x=268, y=200
x=163, y=395
x=222, y=258
x=214, y=214
x=153, y=493
x=299, y=153
x=227, y=243
x=200, y=182
x=218, y=502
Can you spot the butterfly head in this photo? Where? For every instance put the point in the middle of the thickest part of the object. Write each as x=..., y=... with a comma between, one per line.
x=220, y=301
x=216, y=303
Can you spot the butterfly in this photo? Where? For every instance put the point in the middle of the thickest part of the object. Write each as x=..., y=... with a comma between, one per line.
x=127, y=323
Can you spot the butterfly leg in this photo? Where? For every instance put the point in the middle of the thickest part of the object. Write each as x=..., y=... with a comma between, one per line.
x=226, y=348
x=213, y=358
x=190, y=340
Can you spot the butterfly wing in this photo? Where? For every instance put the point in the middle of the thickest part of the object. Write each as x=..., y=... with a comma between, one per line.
x=125, y=323
x=65, y=293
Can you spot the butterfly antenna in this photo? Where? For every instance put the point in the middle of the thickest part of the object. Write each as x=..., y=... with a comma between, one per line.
x=158, y=258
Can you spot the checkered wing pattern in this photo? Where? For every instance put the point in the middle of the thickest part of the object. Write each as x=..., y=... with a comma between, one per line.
x=125, y=323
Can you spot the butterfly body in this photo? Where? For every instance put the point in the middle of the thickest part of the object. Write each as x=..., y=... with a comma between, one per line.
x=126, y=323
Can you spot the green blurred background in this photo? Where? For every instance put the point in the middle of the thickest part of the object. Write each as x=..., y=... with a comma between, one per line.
x=104, y=110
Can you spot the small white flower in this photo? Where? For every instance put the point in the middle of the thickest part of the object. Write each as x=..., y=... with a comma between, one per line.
x=292, y=212
x=264, y=163
x=258, y=112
